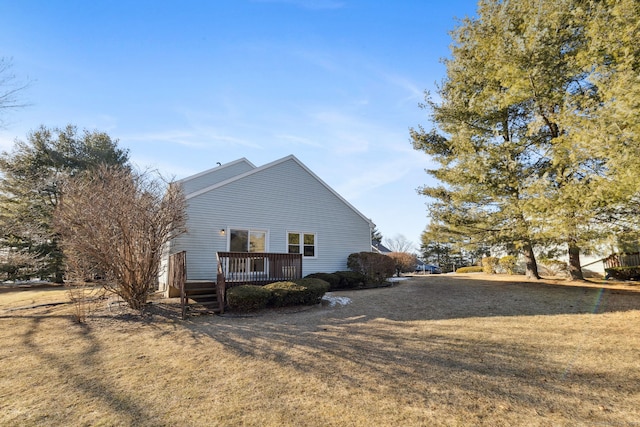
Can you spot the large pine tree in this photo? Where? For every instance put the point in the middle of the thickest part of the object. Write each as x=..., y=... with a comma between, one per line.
x=518, y=163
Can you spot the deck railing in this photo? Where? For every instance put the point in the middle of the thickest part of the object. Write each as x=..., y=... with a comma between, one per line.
x=622, y=260
x=178, y=270
x=258, y=268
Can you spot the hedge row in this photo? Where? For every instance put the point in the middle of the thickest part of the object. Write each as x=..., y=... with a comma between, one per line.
x=308, y=291
x=623, y=273
x=341, y=279
x=472, y=269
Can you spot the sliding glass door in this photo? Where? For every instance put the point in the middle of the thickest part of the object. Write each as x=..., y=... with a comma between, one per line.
x=249, y=241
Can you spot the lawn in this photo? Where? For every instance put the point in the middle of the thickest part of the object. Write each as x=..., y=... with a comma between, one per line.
x=434, y=350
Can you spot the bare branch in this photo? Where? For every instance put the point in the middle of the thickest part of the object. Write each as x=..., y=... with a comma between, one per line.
x=10, y=88
x=115, y=222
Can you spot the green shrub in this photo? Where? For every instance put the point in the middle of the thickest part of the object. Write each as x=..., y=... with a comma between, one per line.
x=508, y=263
x=351, y=279
x=331, y=278
x=489, y=264
x=472, y=269
x=245, y=298
x=314, y=290
x=554, y=267
x=341, y=279
x=284, y=294
x=377, y=268
x=623, y=273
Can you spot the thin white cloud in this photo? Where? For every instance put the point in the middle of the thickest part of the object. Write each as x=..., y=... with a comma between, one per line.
x=345, y=134
x=403, y=82
x=174, y=137
x=168, y=170
x=369, y=176
x=298, y=140
x=201, y=138
x=324, y=60
x=308, y=4
x=211, y=134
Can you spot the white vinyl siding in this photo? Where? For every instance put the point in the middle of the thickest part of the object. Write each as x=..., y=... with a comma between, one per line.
x=215, y=176
x=280, y=197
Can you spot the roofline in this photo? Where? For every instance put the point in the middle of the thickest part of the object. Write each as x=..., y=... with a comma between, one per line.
x=267, y=166
x=335, y=193
x=224, y=166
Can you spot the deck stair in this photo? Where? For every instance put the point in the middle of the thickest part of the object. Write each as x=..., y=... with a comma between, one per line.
x=200, y=297
x=234, y=268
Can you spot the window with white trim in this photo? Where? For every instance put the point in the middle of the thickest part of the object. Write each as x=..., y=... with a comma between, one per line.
x=243, y=240
x=247, y=240
x=302, y=243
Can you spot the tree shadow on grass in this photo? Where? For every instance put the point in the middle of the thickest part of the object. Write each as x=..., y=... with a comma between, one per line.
x=493, y=343
x=81, y=371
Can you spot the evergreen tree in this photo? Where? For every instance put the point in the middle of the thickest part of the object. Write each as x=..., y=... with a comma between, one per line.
x=612, y=127
x=522, y=157
x=30, y=190
x=376, y=236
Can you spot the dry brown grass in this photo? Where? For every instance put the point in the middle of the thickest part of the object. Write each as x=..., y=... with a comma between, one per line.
x=436, y=350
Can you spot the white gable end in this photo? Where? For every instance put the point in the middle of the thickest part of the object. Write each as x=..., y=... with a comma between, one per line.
x=279, y=198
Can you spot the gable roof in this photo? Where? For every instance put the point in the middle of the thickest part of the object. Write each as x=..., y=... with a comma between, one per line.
x=262, y=168
x=215, y=175
x=217, y=169
x=380, y=248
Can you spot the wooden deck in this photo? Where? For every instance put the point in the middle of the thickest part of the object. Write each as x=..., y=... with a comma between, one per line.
x=622, y=260
x=234, y=268
x=258, y=268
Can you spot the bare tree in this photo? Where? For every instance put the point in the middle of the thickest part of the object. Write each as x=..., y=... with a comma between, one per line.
x=10, y=87
x=404, y=262
x=399, y=243
x=115, y=222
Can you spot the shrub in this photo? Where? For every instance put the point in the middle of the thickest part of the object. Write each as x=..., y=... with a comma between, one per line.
x=489, y=264
x=351, y=279
x=376, y=267
x=314, y=290
x=284, y=294
x=331, y=278
x=404, y=262
x=508, y=263
x=247, y=298
x=554, y=267
x=472, y=269
x=623, y=273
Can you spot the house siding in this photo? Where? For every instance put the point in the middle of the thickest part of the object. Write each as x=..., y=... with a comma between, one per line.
x=281, y=198
x=215, y=176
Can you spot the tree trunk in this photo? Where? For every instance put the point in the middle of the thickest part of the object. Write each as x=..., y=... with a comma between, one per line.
x=575, y=270
x=530, y=262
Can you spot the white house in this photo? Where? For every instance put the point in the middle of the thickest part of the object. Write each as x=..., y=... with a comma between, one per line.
x=281, y=207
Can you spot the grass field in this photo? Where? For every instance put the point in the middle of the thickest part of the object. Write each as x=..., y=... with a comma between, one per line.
x=435, y=350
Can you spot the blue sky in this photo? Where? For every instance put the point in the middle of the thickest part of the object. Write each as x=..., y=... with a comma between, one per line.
x=186, y=84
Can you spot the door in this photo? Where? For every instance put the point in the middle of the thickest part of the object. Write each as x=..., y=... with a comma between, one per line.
x=249, y=241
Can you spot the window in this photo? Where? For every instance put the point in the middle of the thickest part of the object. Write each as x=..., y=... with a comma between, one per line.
x=302, y=243
x=249, y=241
